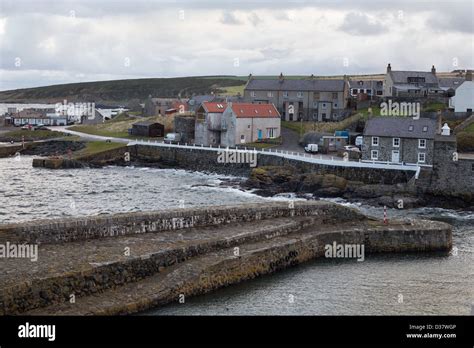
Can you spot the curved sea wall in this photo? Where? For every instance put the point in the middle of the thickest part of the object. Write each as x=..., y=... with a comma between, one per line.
x=125, y=263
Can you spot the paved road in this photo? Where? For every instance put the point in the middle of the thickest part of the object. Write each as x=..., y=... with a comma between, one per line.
x=88, y=136
x=290, y=141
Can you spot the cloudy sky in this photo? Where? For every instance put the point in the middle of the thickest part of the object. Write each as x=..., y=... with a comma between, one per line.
x=44, y=42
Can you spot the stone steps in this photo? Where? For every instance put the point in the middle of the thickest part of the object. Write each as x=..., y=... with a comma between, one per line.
x=91, y=266
x=199, y=275
x=215, y=269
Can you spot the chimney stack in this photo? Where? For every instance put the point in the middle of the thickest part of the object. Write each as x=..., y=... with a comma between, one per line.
x=280, y=78
x=389, y=68
x=439, y=122
x=433, y=69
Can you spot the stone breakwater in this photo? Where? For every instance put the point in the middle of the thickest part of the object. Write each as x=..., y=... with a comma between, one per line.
x=126, y=263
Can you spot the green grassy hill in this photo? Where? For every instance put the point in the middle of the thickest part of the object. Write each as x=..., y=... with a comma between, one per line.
x=121, y=91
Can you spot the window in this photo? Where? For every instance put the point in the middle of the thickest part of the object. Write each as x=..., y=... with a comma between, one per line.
x=324, y=105
x=375, y=141
x=421, y=158
x=410, y=128
x=369, y=91
x=396, y=142
x=334, y=96
x=242, y=137
x=315, y=104
x=271, y=132
x=335, y=105
x=422, y=143
x=354, y=91
x=248, y=126
x=425, y=128
x=374, y=154
x=285, y=94
x=299, y=94
x=270, y=94
x=252, y=94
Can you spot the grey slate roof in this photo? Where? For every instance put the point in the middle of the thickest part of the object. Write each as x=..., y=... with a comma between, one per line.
x=450, y=82
x=198, y=99
x=398, y=127
x=296, y=85
x=402, y=76
x=366, y=84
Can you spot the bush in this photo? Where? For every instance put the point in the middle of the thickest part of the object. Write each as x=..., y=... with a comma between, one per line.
x=465, y=142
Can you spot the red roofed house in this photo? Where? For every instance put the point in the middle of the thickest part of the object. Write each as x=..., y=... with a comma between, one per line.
x=230, y=124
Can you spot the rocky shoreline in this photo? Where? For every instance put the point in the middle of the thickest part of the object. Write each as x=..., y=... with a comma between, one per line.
x=271, y=181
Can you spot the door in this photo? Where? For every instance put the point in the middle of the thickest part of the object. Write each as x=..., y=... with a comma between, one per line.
x=396, y=156
x=259, y=134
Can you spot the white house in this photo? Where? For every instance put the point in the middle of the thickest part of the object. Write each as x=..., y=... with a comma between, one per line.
x=463, y=100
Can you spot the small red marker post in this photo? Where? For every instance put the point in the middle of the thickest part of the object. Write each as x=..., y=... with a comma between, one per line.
x=385, y=214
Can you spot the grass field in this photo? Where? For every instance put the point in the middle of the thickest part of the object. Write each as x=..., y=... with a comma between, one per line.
x=119, y=126
x=93, y=147
x=322, y=127
x=30, y=135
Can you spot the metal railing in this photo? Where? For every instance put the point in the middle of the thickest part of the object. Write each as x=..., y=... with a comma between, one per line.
x=292, y=155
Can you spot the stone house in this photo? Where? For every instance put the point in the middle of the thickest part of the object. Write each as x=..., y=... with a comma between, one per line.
x=369, y=88
x=310, y=99
x=163, y=106
x=33, y=117
x=463, y=99
x=230, y=124
x=399, y=140
x=411, y=84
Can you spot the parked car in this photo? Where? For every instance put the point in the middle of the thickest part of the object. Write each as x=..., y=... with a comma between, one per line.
x=26, y=127
x=351, y=148
x=39, y=127
x=311, y=148
x=172, y=138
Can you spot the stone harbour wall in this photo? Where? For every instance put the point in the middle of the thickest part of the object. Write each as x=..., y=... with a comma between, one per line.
x=82, y=228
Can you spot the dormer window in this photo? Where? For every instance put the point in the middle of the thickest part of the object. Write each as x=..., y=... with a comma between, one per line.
x=410, y=128
x=425, y=129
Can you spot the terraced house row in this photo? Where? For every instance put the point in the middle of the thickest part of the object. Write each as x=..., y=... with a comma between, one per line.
x=310, y=99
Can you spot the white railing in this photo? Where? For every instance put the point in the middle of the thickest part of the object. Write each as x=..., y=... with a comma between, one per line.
x=310, y=158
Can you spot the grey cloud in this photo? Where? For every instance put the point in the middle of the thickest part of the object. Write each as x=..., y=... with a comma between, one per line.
x=356, y=23
x=230, y=18
x=254, y=19
x=459, y=19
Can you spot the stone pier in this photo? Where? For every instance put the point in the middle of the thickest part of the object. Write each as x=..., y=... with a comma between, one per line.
x=126, y=263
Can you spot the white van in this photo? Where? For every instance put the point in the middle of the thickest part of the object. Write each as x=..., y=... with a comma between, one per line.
x=173, y=138
x=311, y=148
